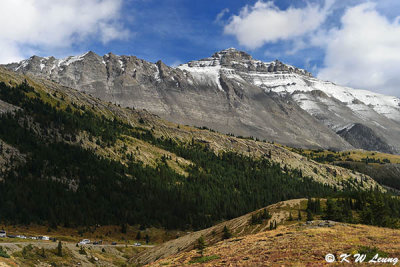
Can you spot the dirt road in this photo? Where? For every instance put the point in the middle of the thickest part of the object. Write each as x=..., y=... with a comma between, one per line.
x=50, y=244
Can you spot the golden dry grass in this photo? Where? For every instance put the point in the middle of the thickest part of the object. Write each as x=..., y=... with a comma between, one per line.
x=239, y=227
x=293, y=245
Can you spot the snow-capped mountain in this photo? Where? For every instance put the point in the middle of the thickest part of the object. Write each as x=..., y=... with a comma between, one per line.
x=281, y=78
x=234, y=93
x=338, y=107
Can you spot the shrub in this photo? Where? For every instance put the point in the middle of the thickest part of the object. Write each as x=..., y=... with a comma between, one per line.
x=82, y=251
x=371, y=252
x=3, y=253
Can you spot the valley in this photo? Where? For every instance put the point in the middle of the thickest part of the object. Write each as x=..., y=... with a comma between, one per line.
x=141, y=133
x=112, y=171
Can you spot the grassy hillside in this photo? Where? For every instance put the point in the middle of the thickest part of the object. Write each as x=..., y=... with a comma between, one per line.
x=383, y=168
x=294, y=245
x=237, y=227
x=303, y=235
x=327, y=156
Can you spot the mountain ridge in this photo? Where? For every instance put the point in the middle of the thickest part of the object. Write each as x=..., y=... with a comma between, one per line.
x=232, y=93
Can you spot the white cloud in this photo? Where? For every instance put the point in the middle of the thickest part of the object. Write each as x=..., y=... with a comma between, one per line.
x=9, y=52
x=264, y=22
x=364, y=52
x=220, y=15
x=52, y=24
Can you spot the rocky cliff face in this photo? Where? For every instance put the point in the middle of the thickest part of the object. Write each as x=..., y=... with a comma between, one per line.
x=361, y=136
x=230, y=92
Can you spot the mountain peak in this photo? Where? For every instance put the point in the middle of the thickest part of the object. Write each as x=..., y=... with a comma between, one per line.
x=240, y=61
x=232, y=54
x=231, y=49
x=90, y=52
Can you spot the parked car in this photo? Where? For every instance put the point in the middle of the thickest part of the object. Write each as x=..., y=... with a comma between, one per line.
x=33, y=238
x=137, y=244
x=3, y=233
x=113, y=243
x=11, y=236
x=21, y=236
x=44, y=238
x=84, y=242
x=95, y=243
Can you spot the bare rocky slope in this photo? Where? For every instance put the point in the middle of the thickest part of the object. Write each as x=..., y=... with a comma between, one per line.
x=233, y=93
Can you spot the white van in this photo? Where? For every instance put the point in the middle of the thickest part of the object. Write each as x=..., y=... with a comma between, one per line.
x=84, y=242
x=3, y=233
x=45, y=238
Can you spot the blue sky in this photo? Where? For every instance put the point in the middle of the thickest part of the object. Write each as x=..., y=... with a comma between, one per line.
x=352, y=42
x=173, y=30
x=177, y=31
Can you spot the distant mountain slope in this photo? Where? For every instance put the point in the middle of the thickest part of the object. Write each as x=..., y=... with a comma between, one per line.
x=361, y=136
x=232, y=93
x=211, y=98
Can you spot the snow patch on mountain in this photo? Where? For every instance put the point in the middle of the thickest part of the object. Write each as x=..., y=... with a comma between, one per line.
x=347, y=127
x=70, y=60
x=121, y=64
x=205, y=73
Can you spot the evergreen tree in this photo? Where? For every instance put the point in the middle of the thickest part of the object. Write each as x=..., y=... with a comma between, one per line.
x=226, y=233
x=290, y=216
x=310, y=204
x=201, y=245
x=317, y=209
x=309, y=215
x=124, y=228
x=299, y=216
x=59, y=249
x=138, y=236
